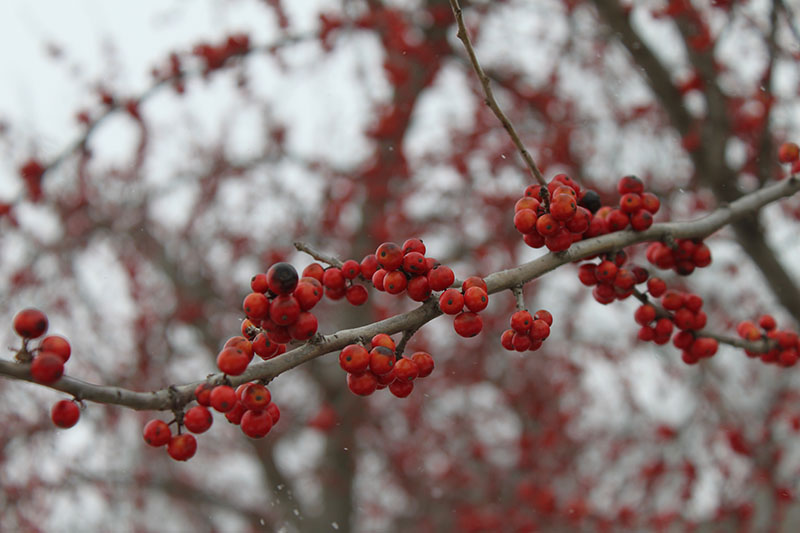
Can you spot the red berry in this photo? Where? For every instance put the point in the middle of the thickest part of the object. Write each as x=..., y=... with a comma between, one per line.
x=256, y=424
x=395, y=282
x=282, y=278
x=440, y=278
x=580, y=222
x=406, y=370
x=617, y=220
x=198, y=419
x=232, y=361
x=540, y=330
x=354, y=358
x=424, y=363
x=507, y=339
x=474, y=281
x=656, y=287
x=274, y=412
x=390, y=256
x=468, y=324
x=414, y=263
x=651, y=202
x=630, y=203
x=641, y=220
x=525, y=220
x=767, y=322
x=377, y=279
x=333, y=278
x=547, y=225
x=544, y=314
x=605, y=272
x=586, y=274
x=202, y=393
x=223, y=398
x=256, y=306
x=630, y=184
x=314, y=270
x=264, y=347
x=369, y=265
x=559, y=241
x=645, y=314
x=401, y=389
x=351, y=269
x=451, y=302
x=362, y=384
x=234, y=416
x=65, y=413
x=414, y=245
x=57, y=345
x=563, y=207
x=259, y=283
x=381, y=360
x=156, y=433
x=284, y=310
x=30, y=323
x=418, y=288
x=520, y=342
x=672, y=300
x=788, y=152
x=255, y=397
x=47, y=367
x=521, y=321
x=182, y=447
x=304, y=328
x=382, y=339
x=476, y=299
x=356, y=294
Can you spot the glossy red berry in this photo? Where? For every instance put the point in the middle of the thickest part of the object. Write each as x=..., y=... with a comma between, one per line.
x=563, y=207
x=264, y=347
x=234, y=416
x=390, y=256
x=418, y=288
x=65, y=413
x=468, y=324
x=545, y=315
x=198, y=419
x=223, y=398
x=476, y=299
x=314, y=270
x=525, y=220
x=656, y=287
x=282, y=278
x=406, y=369
x=156, y=433
x=232, y=361
x=414, y=263
x=630, y=184
x=440, y=278
x=605, y=272
x=256, y=306
x=424, y=363
x=259, y=283
x=788, y=152
x=414, y=245
x=401, y=389
x=641, y=220
x=354, y=358
x=395, y=282
x=645, y=314
x=274, y=412
x=362, y=384
x=57, y=345
x=47, y=367
x=256, y=424
x=284, y=310
x=30, y=323
x=521, y=321
x=507, y=339
x=304, y=328
x=369, y=265
x=381, y=360
x=202, y=393
x=182, y=447
x=382, y=339
x=547, y=225
x=451, y=302
x=767, y=322
x=356, y=294
x=351, y=269
x=255, y=397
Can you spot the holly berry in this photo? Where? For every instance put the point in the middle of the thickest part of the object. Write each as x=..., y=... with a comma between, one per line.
x=521, y=321
x=57, y=345
x=424, y=363
x=351, y=269
x=233, y=361
x=451, y=302
x=47, y=367
x=255, y=397
x=65, y=413
x=304, y=328
x=363, y=383
x=406, y=370
x=788, y=152
x=354, y=358
x=390, y=256
x=468, y=324
x=401, y=389
x=256, y=306
x=356, y=294
x=156, y=433
x=182, y=447
x=223, y=398
x=381, y=360
x=198, y=419
x=284, y=310
x=30, y=323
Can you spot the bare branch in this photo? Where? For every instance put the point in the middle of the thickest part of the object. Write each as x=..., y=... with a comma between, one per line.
x=166, y=399
x=316, y=254
x=492, y=103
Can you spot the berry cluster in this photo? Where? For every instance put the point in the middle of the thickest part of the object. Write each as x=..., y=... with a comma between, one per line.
x=215, y=56
x=786, y=349
x=278, y=311
x=527, y=331
x=340, y=282
x=610, y=278
x=407, y=269
x=683, y=258
x=474, y=297
x=47, y=360
x=250, y=406
x=379, y=367
x=681, y=310
x=557, y=223
x=573, y=214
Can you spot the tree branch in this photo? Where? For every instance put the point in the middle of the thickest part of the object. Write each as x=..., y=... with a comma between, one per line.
x=463, y=35
x=166, y=399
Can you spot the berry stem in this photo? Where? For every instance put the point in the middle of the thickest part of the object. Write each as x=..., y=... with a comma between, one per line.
x=401, y=346
x=519, y=296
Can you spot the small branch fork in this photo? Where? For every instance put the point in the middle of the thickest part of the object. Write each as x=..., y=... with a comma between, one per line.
x=463, y=35
x=167, y=399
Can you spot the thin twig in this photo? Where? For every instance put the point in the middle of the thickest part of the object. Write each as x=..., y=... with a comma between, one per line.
x=492, y=103
x=407, y=334
x=316, y=254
